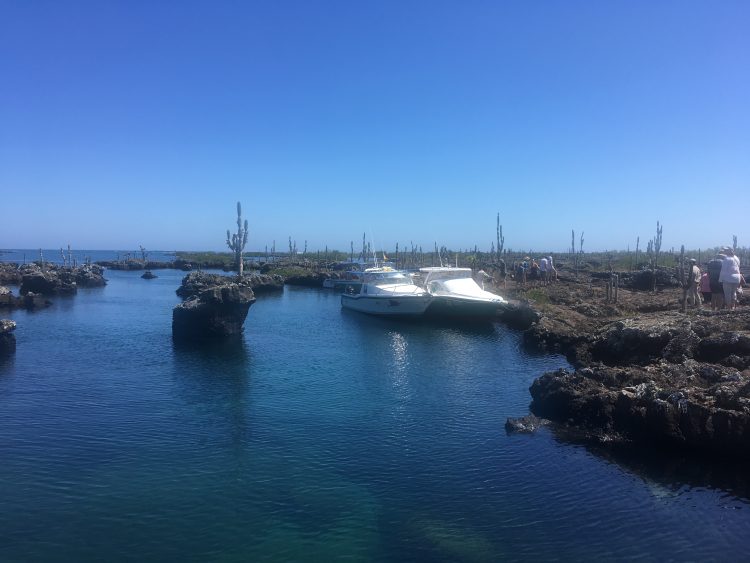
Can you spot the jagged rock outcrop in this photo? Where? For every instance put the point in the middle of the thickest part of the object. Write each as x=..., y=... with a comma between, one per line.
x=643, y=280
x=307, y=278
x=59, y=280
x=217, y=311
x=216, y=305
x=695, y=405
x=196, y=282
x=9, y=273
x=6, y=297
x=666, y=378
x=29, y=301
x=519, y=315
x=7, y=338
x=89, y=275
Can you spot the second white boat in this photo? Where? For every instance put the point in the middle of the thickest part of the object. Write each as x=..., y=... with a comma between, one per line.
x=456, y=294
x=387, y=292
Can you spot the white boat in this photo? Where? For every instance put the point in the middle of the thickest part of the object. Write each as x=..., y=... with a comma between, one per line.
x=387, y=292
x=456, y=294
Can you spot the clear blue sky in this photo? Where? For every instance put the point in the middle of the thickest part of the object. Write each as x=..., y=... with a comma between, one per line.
x=139, y=122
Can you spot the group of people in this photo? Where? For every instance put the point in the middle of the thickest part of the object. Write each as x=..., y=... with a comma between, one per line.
x=542, y=271
x=721, y=284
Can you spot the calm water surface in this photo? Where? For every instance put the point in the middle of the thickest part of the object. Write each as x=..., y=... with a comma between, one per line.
x=323, y=435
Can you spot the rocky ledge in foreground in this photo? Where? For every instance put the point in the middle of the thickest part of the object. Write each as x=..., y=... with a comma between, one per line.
x=7, y=338
x=211, y=310
x=670, y=378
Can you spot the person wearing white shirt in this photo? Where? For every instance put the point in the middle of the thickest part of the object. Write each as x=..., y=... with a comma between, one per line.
x=543, y=270
x=730, y=277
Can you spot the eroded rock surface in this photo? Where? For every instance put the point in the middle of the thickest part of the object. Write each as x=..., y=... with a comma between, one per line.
x=59, y=280
x=196, y=282
x=211, y=310
x=7, y=338
x=665, y=377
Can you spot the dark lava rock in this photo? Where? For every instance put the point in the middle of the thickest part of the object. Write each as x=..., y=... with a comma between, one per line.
x=29, y=301
x=266, y=283
x=149, y=275
x=9, y=273
x=58, y=280
x=7, y=338
x=519, y=315
x=196, y=282
x=689, y=405
x=89, y=275
x=644, y=279
x=48, y=283
x=307, y=279
x=6, y=297
x=218, y=311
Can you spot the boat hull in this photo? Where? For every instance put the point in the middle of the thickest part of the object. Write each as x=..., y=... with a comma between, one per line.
x=387, y=306
x=443, y=306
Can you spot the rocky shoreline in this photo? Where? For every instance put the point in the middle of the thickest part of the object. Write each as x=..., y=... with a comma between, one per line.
x=37, y=283
x=644, y=372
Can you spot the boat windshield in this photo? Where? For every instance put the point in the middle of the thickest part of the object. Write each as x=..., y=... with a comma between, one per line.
x=447, y=273
x=388, y=277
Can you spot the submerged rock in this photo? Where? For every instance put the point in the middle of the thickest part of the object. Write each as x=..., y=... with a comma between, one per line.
x=7, y=338
x=217, y=311
x=525, y=424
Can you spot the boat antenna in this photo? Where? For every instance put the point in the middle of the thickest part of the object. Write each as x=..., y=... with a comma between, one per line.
x=374, y=252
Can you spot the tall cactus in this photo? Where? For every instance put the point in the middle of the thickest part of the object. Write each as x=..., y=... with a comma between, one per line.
x=238, y=241
x=657, y=244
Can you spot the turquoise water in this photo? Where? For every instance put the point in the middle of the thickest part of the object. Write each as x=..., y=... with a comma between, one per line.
x=323, y=435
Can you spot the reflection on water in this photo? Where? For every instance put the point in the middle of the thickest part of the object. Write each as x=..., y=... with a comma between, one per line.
x=213, y=376
x=674, y=473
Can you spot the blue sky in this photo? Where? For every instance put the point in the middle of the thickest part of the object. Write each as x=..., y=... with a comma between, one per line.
x=128, y=123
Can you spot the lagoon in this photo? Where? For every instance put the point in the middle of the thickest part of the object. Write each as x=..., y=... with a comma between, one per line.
x=323, y=434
